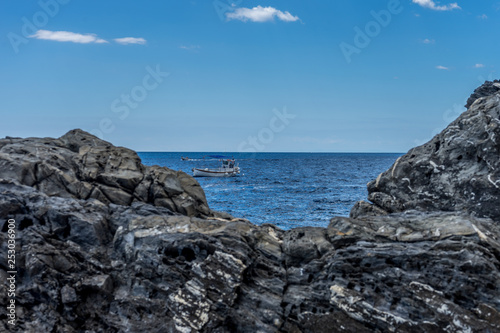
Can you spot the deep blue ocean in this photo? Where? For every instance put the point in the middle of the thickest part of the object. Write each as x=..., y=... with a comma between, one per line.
x=285, y=189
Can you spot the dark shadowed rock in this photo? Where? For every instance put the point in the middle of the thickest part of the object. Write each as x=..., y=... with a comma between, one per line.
x=363, y=208
x=458, y=170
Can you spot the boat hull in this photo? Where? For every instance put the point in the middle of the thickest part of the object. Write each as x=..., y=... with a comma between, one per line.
x=216, y=172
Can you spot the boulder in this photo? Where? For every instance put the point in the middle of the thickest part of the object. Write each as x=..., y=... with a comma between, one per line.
x=81, y=166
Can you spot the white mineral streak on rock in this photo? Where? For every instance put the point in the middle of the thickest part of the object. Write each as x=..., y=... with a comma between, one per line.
x=459, y=324
x=409, y=183
x=128, y=239
x=382, y=229
x=394, y=167
x=273, y=234
x=471, y=119
x=344, y=302
x=230, y=260
x=425, y=286
x=444, y=309
x=192, y=307
x=435, y=166
x=434, y=196
x=479, y=233
x=196, y=268
x=147, y=233
x=357, y=308
x=493, y=182
x=378, y=179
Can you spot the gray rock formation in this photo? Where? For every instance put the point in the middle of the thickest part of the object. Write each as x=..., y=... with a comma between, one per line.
x=105, y=244
x=458, y=170
x=81, y=166
x=84, y=265
x=487, y=89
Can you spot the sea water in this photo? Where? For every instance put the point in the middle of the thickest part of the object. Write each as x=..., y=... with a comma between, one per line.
x=285, y=189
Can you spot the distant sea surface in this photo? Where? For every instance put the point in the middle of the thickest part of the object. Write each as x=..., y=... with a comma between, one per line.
x=285, y=189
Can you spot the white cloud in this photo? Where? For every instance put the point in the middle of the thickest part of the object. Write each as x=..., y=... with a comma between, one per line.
x=432, y=5
x=478, y=66
x=442, y=67
x=190, y=47
x=73, y=37
x=428, y=41
x=130, y=40
x=66, y=36
x=260, y=14
x=483, y=17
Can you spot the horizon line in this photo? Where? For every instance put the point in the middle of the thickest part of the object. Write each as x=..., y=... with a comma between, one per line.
x=273, y=152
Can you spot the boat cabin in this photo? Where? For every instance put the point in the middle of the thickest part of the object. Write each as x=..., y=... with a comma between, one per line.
x=228, y=164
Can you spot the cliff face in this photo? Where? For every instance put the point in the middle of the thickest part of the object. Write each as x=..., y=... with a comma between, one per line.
x=106, y=244
x=458, y=170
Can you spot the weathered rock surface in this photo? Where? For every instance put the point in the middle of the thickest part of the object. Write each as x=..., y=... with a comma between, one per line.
x=458, y=170
x=106, y=244
x=81, y=166
x=489, y=88
x=88, y=266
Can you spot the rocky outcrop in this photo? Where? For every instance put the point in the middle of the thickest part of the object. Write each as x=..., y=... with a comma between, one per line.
x=489, y=88
x=105, y=244
x=81, y=166
x=84, y=265
x=458, y=170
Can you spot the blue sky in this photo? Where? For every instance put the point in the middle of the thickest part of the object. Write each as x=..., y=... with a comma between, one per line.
x=244, y=76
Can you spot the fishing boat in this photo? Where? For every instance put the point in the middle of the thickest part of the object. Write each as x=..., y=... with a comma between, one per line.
x=228, y=168
x=185, y=158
